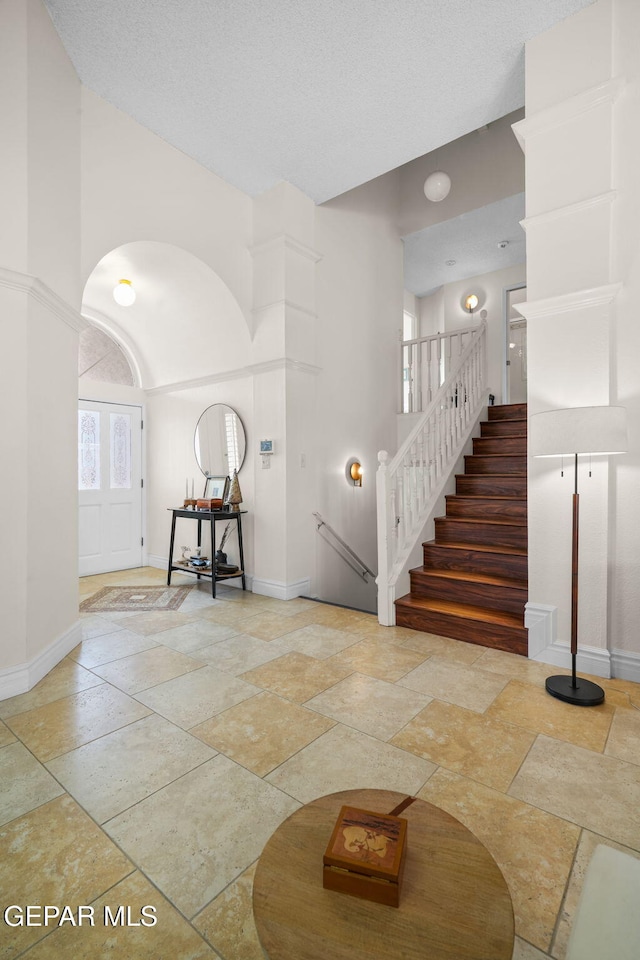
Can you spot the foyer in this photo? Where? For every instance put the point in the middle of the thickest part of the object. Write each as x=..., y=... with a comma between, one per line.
x=155, y=760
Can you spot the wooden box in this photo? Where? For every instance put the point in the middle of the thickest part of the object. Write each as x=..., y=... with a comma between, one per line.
x=365, y=856
x=205, y=504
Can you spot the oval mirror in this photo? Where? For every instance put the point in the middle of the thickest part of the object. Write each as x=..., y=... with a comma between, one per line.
x=219, y=441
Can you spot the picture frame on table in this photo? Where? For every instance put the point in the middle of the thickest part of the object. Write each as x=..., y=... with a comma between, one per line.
x=216, y=488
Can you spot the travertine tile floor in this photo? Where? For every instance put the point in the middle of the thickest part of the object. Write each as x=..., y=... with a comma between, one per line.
x=153, y=763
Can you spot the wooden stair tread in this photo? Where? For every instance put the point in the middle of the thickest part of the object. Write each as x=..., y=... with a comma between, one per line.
x=493, y=476
x=464, y=610
x=501, y=521
x=486, y=547
x=473, y=577
x=508, y=453
x=485, y=496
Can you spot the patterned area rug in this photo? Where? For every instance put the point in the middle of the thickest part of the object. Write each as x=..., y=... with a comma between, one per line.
x=139, y=599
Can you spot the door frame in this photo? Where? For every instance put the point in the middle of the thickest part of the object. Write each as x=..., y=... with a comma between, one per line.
x=141, y=405
x=505, y=336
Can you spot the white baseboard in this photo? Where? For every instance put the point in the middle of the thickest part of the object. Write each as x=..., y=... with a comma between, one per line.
x=160, y=562
x=24, y=676
x=541, y=621
x=281, y=591
x=594, y=660
x=625, y=665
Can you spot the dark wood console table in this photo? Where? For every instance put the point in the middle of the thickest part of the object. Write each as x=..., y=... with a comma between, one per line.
x=208, y=516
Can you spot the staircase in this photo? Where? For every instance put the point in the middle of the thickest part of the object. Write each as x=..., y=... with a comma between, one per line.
x=473, y=584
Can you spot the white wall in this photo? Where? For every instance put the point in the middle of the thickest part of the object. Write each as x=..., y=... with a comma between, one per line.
x=625, y=592
x=360, y=301
x=443, y=311
x=137, y=187
x=484, y=166
x=171, y=419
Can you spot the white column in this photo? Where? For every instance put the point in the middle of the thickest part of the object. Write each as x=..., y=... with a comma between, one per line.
x=571, y=313
x=284, y=383
x=39, y=287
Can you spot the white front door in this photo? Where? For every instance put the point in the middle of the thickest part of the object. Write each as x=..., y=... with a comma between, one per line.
x=109, y=486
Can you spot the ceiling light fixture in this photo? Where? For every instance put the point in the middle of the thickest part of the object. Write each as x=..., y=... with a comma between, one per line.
x=123, y=293
x=437, y=186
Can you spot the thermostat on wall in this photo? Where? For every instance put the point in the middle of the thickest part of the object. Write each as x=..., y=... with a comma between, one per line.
x=266, y=446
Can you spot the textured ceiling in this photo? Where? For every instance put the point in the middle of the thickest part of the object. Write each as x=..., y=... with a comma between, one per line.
x=472, y=240
x=326, y=95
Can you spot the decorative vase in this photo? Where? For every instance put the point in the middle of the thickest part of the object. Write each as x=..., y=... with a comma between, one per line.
x=234, y=497
x=221, y=557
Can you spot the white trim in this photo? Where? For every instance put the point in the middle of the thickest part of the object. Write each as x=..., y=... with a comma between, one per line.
x=252, y=370
x=625, y=665
x=24, y=676
x=540, y=620
x=44, y=295
x=286, y=241
x=288, y=304
x=567, y=110
x=559, y=212
x=281, y=591
x=568, y=302
x=594, y=660
x=115, y=332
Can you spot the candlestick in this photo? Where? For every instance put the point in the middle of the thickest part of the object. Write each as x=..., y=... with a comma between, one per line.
x=192, y=482
x=186, y=489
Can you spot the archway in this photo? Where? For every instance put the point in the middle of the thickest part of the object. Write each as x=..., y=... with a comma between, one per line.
x=187, y=343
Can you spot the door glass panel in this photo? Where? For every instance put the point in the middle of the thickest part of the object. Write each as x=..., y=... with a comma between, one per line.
x=88, y=450
x=120, y=451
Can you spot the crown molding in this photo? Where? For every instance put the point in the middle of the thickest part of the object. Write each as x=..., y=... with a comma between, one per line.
x=286, y=242
x=569, y=302
x=240, y=373
x=560, y=212
x=567, y=110
x=44, y=295
x=288, y=305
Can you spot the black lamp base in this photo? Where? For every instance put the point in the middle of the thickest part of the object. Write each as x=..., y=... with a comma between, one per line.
x=583, y=694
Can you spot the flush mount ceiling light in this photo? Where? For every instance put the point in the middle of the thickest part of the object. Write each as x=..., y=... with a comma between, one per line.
x=471, y=302
x=437, y=186
x=123, y=293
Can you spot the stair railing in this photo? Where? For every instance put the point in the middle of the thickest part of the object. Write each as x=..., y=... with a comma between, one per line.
x=409, y=485
x=426, y=361
x=343, y=549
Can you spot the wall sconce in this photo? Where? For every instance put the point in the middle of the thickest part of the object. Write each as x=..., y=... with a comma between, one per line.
x=353, y=472
x=471, y=302
x=123, y=293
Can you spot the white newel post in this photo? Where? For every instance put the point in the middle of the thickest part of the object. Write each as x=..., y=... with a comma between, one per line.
x=386, y=609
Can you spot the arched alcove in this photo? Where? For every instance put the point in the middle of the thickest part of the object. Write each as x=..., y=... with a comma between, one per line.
x=185, y=323
x=187, y=344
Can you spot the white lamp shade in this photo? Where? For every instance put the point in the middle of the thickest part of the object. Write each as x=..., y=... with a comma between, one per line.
x=437, y=186
x=563, y=433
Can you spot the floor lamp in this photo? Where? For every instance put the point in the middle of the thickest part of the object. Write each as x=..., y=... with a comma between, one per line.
x=573, y=432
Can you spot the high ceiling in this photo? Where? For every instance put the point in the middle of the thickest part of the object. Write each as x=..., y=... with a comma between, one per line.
x=326, y=94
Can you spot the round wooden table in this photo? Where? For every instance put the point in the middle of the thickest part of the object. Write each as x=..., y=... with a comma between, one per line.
x=454, y=902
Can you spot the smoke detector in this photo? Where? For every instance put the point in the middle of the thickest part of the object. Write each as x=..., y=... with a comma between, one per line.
x=503, y=243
